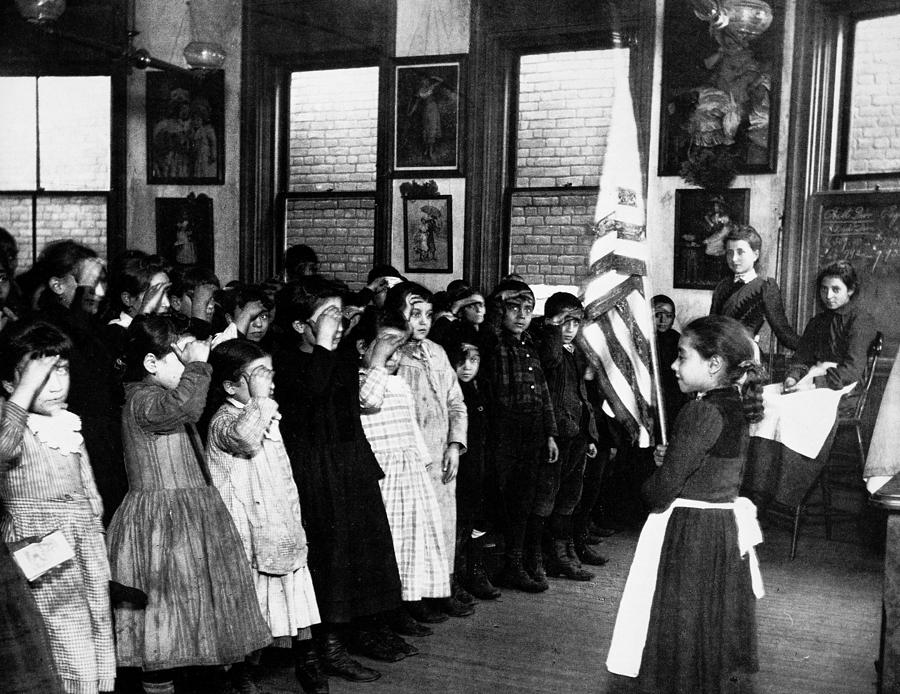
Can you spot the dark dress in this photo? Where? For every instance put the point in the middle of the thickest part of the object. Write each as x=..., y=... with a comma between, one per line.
x=703, y=618
x=842, y=336
x=351, y=553
x=95, y=395
x=26, y=663
x=667, y=352
x=752, y=304
x=470, y=480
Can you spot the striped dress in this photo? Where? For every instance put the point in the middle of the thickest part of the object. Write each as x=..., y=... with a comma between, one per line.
x=249, y=466
x=173, y=538
x=46, y=484
x=389, y=420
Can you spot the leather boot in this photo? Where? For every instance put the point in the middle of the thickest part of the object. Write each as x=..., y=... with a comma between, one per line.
x=534, y=551
x=242, y=680
x=515, y=576
x=422, y=612
x=584, y=553
x=451, y=606
x=401, y=621
x=308, y=669
x=561, y=564
x=477, y=580
x=336, y=661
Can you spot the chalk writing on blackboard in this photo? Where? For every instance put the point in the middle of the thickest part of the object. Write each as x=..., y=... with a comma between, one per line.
x=866, y=234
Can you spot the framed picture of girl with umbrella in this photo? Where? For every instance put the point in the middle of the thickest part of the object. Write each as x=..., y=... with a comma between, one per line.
x=428, y=233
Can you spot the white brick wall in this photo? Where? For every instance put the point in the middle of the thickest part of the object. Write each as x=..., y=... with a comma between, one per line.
x=549, y=241
x=77, y=217
x=333, y=129
x=341, y=231
x=874, y=142
x=565, y=101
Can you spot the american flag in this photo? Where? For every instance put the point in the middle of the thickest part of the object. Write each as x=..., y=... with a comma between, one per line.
x=619, y=333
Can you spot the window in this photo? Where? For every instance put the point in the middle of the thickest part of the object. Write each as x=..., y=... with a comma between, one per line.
x=55, y=161
x=564, y=109
x=871, y=152
x=332, y=152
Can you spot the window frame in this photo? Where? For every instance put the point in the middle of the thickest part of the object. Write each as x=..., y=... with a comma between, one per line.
x=118, y=139
x=844, y=38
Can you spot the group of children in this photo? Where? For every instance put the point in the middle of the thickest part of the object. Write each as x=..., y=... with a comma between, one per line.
x=299, y=465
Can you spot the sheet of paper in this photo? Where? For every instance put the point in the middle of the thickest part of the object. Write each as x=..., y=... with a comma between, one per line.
x=37, y=558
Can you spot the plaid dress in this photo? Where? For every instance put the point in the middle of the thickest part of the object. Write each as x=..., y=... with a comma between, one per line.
x=47, y=485
x=249, y=466
x=389, y=420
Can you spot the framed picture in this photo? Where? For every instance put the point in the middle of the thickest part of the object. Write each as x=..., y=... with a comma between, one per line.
x=428, y=121
x=720, y=91
x=701, y=220
x=428, y=233
x=184, y=230
x=185, y=128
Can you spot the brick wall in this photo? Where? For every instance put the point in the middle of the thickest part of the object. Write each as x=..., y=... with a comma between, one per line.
x=333, y=129
x=549, y=243
x=340, y=230
x=874, y=143
x=565, y=101
x=81, y=218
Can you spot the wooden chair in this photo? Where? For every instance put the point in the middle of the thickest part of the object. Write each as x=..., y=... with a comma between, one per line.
x=849, y=416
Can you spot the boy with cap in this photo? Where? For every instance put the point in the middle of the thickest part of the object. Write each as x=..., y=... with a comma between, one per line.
x=525, y=429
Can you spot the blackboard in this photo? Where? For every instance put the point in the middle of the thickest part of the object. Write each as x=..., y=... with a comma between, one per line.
x=864, y=228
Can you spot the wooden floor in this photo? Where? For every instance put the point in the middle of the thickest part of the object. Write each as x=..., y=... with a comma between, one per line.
x=818, y=630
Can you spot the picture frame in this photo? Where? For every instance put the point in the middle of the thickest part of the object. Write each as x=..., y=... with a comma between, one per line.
x=701, y=219
x=702, y=70
x=185, y=128
x=184, y=230
x=428, y=98
x=428, y=233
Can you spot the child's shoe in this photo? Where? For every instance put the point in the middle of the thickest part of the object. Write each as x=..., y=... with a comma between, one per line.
x=452, y=607
x=336, y=661
x=423, y=612
x=515, y=576
x=402, y=622
x=562, y=564
x=459, y=593
x=477, y=580
x=308, y=669
x=584, y=553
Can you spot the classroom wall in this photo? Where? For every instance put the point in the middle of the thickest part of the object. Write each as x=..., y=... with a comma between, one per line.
x=166, y=28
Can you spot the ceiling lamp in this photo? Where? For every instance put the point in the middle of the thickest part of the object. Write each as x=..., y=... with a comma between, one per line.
x=748, y=17
x=202, y=53
x=39, y=11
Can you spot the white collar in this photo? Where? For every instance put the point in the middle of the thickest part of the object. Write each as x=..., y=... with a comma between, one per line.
x=746, y=277
x=61, y=430
x=123, y=320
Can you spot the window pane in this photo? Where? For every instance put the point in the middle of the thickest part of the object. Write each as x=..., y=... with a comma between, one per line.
x=548, y=238
x=75, y=132
x=333, y=130
x=874, y=141
x=81, y=218
x=565, y=103
x=341, y=231
x=18, y=135
x=15, y=217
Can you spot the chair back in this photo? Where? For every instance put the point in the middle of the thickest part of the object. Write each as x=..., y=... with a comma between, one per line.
x=872, y=355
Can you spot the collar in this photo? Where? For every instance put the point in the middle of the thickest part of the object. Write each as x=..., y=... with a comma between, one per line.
x=61, y=431
x=237, y=403
x=746, y=277
x=124, y=320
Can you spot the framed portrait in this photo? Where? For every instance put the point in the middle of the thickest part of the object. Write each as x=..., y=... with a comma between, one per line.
x=184, y=230
x=185, y=128
x=428, y=233
x=720, y=90
x=701, y=225
x=427, y=111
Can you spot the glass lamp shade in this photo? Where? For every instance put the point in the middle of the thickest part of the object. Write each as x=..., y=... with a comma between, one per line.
x=204, y=55
x=748, y=17
x=41, y=10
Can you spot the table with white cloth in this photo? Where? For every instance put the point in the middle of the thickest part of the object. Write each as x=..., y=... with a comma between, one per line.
x=884, y=459
x=790, y=446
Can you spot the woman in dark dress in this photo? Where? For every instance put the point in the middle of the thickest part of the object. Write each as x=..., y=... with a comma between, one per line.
x=746, y=296
x=699, y=612
x=351, y=554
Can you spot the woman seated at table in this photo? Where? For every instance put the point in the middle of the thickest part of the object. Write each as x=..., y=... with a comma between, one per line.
x=746, y=296
x=833, y=349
